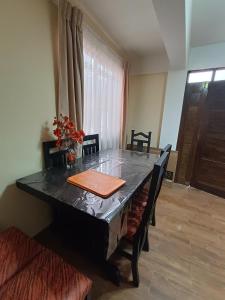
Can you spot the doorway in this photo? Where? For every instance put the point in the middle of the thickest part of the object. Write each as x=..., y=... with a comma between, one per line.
x=201, y=140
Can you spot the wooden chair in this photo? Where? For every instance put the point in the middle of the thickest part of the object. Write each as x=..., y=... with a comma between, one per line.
x=146, y=139
x=52, y=156
x=141, y=199
x=139, y=218
x=167, y=148
x=90, y=144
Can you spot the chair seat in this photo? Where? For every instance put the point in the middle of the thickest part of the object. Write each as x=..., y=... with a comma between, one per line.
x=133, y=222
x=141, y=199
x=30, y=271
x=139, y=203
x=16, y=251
x=135, y=215
x=47, y=277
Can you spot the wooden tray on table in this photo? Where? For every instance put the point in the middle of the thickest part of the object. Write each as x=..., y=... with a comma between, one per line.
x=96, y=182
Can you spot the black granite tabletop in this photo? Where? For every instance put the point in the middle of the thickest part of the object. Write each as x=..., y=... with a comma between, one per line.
x=134, y=167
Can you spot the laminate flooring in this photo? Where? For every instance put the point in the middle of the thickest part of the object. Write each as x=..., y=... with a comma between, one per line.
x=186, y=260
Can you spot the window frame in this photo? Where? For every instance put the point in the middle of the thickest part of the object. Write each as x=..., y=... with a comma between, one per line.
x=219, y=69
x=205, y=70
x=197, y=72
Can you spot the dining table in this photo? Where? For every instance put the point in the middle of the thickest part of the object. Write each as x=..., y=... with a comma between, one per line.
x=97, y=223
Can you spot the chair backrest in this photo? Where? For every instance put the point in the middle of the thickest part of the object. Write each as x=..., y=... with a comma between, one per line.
x=90, y=144
x=167, y=148
x=145, y=139
x=53, y=157
x=155, y=187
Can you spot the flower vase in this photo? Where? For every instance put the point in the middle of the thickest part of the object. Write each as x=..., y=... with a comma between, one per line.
x=70, y=157
x=78, y=150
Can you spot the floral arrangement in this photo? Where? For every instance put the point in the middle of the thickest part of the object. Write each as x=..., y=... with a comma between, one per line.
x=67, y=134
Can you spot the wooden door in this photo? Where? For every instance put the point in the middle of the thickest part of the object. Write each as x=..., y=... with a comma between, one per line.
x=195, y=94
x=209, y=165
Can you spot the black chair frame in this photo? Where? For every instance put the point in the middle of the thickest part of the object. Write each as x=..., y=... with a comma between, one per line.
x=53, y=157
x=91, y=148
x=140, y=239
x=140, y=142
x=167, y=148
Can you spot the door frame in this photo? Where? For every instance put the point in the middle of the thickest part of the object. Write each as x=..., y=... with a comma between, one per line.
x=202, y=128
x=180, y=138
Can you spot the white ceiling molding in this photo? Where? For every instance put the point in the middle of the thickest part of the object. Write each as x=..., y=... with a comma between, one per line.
x=172, y=23
x=188, y=23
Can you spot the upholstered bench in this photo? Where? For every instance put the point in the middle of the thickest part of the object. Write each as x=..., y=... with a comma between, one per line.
x=30, y=271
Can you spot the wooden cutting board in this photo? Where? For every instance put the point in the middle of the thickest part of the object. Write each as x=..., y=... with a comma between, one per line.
x=96, y=182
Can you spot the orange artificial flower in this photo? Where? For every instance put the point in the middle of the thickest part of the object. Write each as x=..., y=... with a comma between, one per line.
x=66, y=131
x=57, y=132
x=71, y=156
x=58, y=143
x=82, y=132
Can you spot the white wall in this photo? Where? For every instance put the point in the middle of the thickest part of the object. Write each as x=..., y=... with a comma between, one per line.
x=210, y=56
x=27, y=105
x=150, y=65
x=172, y=108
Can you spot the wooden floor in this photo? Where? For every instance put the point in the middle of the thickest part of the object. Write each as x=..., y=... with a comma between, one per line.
x=187, y=256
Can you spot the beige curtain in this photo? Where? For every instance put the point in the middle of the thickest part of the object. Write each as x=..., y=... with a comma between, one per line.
x=71, y=66
x=123, y=142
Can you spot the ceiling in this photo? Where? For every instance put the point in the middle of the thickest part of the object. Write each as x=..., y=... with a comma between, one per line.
x=131, y=23
x=149, y=30
x=160, y=30
x=208, y=22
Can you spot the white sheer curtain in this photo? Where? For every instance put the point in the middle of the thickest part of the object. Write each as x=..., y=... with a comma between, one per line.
x=103, y=91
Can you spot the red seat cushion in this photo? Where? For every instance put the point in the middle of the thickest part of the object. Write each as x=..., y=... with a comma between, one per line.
x=133, y=222
x=141, y=204
x=16, y=251
x=47, y=277
x=135, y=215
x=140, y=201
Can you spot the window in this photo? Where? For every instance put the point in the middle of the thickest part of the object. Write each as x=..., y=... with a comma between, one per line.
x=219, y=75
x=216, y=74
x=203, y=76
x=103, y=85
